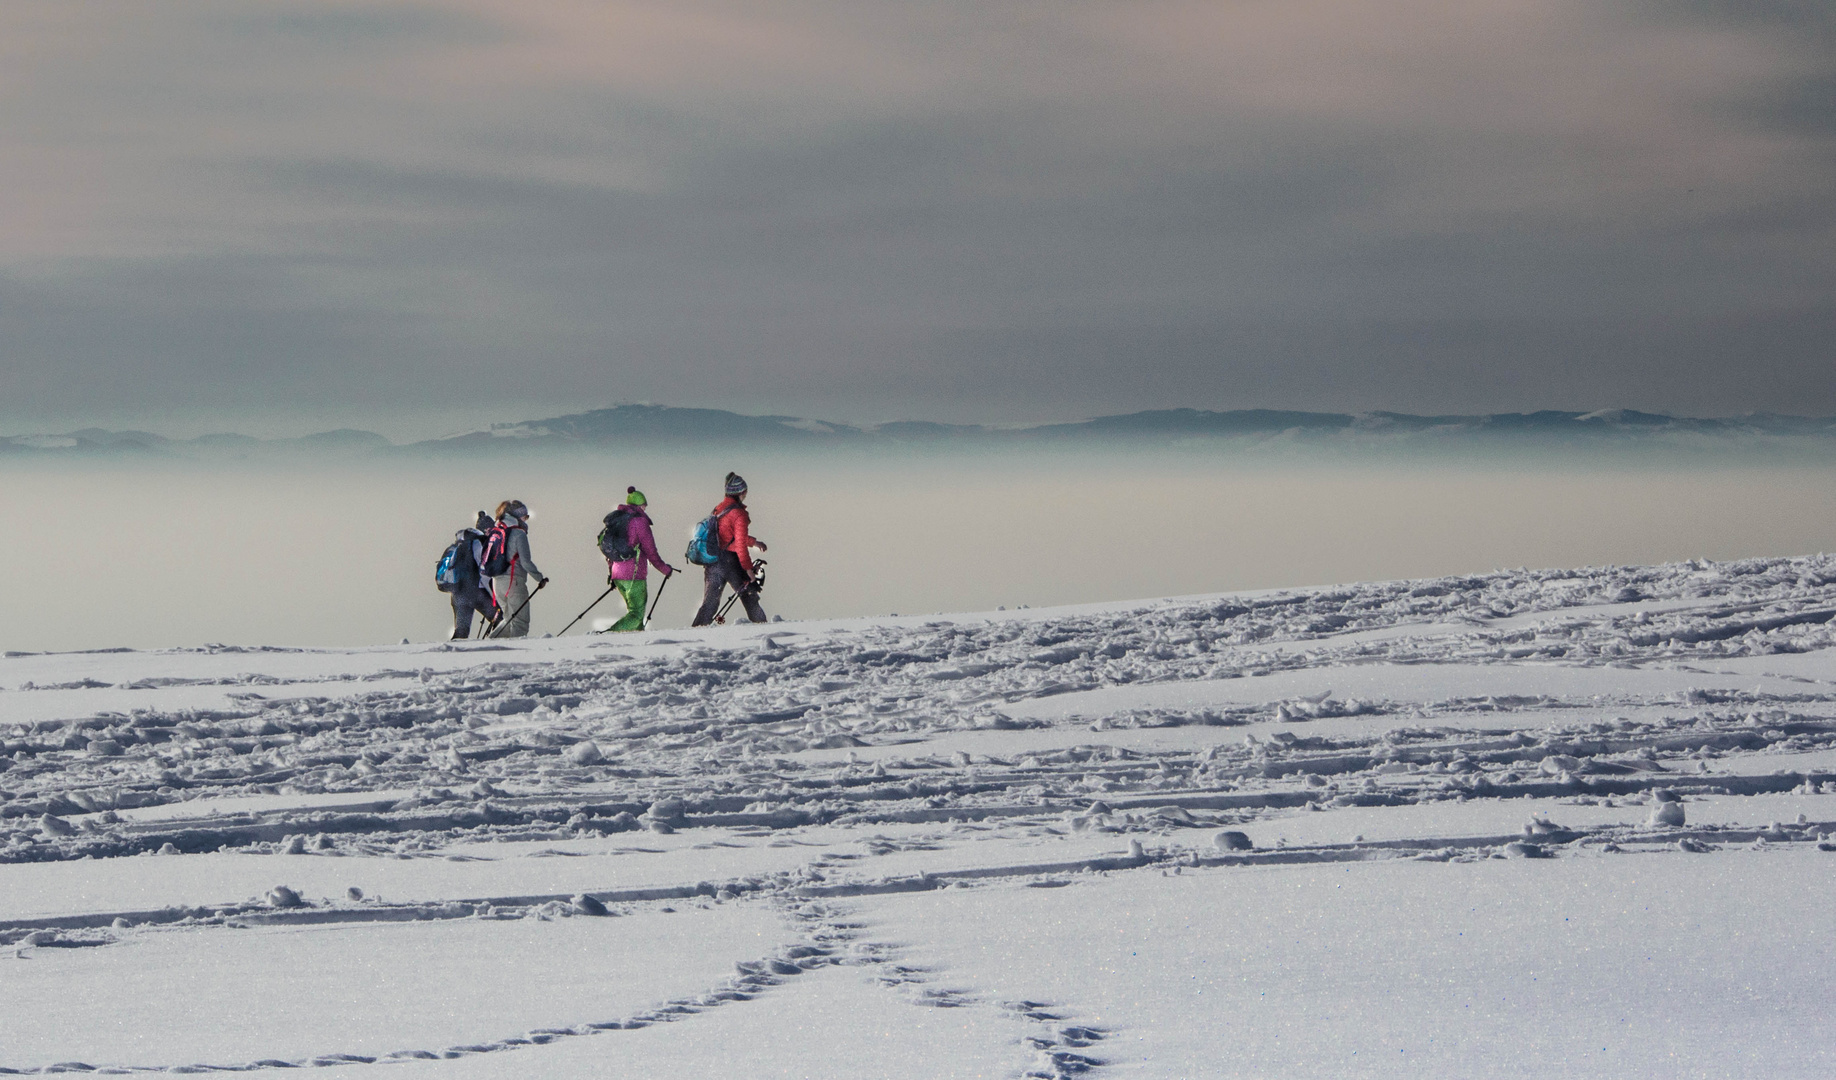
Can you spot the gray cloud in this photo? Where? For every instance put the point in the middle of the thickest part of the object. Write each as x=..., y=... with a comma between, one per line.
x=356, y=26
x=978, y=212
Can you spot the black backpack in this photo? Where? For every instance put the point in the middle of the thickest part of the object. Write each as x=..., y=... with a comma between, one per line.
x=497, y=558
x=615, y=539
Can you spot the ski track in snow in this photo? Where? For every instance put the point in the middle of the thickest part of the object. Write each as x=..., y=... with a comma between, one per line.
x=1664, y=710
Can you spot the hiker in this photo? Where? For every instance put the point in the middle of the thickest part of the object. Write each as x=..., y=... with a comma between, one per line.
x=734, y=566
x=458, y=574
x=512, y=586
x=630, y=551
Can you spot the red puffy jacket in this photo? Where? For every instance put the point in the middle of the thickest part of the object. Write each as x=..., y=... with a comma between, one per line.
x=736, y=531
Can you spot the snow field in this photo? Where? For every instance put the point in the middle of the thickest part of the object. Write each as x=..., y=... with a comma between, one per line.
x=1630, y=967
x=1369, y=684
x=1525, y=823
x=831, y=1022
x=506, y=872
x=223, y=996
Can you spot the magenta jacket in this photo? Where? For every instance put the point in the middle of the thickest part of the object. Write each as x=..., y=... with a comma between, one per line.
x=638, y=532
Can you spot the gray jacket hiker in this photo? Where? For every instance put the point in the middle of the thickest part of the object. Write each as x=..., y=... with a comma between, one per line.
x=512, y=589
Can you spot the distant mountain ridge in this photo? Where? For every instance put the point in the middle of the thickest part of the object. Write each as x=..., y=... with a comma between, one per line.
x=622, y=424
x=628, y=426
x=90, y=442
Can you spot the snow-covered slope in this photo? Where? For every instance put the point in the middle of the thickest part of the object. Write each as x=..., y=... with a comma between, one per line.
x=1528, y=823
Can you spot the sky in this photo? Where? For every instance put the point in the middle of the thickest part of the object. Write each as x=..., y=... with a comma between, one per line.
x=280, y=217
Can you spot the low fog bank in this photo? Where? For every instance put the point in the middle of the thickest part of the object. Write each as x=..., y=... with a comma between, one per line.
x=154, y=554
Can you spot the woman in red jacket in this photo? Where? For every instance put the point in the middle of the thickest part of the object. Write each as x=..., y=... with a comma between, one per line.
x=735, y=566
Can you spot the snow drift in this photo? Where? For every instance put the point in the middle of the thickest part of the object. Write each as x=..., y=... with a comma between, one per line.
x=1524, y=823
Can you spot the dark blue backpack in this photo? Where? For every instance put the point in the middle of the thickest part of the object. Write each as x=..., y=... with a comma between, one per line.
x=456, y=562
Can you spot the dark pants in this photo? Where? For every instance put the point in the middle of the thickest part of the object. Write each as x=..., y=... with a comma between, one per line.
x=467, y=598
x=716, y=578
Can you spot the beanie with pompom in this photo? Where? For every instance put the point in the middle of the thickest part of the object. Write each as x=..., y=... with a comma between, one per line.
x=634, y=497
x=735, y=483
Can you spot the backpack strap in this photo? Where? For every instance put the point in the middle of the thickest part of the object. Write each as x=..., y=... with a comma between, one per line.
x=510, y=571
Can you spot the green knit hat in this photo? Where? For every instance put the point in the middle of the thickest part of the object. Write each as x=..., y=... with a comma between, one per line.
x=634, y=497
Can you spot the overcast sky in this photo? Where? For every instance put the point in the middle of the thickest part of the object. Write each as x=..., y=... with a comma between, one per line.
x=280, y=217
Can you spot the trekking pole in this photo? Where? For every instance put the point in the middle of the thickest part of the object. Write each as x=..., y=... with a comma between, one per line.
x=655, y=600
x=519, y=608
x=485, y=626
x=756, y=583
x=590, y=607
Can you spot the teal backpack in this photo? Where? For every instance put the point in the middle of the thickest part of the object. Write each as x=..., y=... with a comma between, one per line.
x=704, y=549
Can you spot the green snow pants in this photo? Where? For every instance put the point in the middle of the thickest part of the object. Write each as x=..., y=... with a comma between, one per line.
x=634, y=594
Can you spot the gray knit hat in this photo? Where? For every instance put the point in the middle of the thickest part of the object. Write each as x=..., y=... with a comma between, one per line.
x=736, y=484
